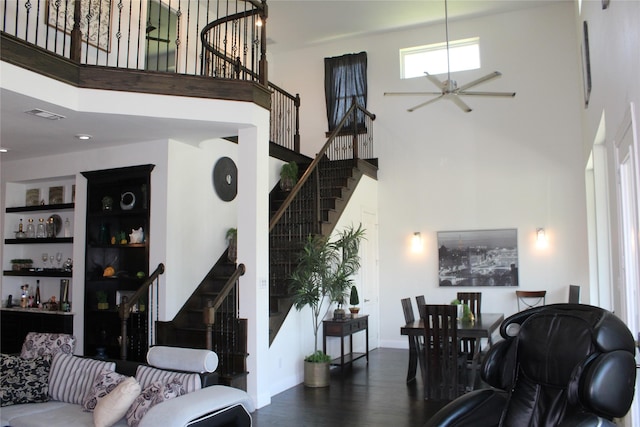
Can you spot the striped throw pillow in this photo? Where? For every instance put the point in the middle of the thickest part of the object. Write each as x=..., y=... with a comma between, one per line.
x=146, y=375
x=71, y=377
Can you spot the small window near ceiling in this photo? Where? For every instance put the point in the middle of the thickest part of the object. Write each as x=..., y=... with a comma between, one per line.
x=463, y=55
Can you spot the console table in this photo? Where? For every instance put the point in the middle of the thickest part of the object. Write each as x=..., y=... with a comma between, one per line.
x=346, y=328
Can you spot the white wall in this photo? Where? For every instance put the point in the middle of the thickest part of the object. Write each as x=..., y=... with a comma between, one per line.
x=511, y=163
x=614, y=43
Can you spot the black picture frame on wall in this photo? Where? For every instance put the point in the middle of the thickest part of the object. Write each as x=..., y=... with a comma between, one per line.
x=586, y=63
x=478, y=257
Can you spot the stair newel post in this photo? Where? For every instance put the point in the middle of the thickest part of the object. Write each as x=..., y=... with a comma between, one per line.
x=124, y=319
x=76, y=34
x=296, y=136
x=209, y=318
x=262, y=68
x=354, y=141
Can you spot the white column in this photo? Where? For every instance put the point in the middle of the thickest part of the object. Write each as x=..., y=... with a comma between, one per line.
x=253, y=252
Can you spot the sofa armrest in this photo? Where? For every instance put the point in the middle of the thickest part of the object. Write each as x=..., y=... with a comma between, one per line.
x=479, y=408
x=181, y=410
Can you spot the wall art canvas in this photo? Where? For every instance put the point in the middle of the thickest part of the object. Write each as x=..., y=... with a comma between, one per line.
x=32, y=197
x=95, y=24
x=56, y=195
x=478, y=257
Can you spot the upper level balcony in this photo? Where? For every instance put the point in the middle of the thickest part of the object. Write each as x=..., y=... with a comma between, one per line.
x=199, y=48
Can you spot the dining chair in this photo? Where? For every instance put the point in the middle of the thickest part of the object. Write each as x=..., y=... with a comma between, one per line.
x=474, y=302
x=442, y=364
x=574, y=294
x=529, y=299
x=415, y=342
x=420, y=301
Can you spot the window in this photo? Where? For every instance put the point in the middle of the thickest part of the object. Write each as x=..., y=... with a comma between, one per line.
x=345, y=77
x=463, y=55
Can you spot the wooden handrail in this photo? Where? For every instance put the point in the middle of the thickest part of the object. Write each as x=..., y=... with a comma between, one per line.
x=209, y=314
x=307, y=173
x=124, y=310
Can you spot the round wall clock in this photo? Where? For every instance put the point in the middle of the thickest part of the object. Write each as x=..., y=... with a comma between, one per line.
x=225, y=179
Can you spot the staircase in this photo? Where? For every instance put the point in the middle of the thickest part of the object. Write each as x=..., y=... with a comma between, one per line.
x=336, y=181
x=228, y=334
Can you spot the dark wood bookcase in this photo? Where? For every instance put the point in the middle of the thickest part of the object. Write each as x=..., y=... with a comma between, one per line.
x=108, y=244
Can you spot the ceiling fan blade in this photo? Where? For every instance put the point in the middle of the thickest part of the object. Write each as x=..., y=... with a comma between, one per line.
x=480, y=80
x=456, y=100
x=502, y=94
x=425, y=103
x=433, y=79
x=411, y=93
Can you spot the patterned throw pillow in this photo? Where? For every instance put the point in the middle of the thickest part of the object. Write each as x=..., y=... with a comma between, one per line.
x=23, y=381
x=40, y=344
x=104, y=384
x=152, y=395
x=71, y=377
x=147, y=375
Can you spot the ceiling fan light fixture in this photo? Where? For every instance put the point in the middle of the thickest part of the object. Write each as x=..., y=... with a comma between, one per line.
x=449, y=88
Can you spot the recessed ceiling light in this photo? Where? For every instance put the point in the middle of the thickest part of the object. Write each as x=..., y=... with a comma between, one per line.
x=83, y=136
x=45, y=114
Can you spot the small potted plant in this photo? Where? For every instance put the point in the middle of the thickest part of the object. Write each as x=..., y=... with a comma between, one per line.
x=354, y=300
x=103, y=303
x=288, y=176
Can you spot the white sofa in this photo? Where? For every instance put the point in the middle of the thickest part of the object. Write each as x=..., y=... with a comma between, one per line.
x=72, y=383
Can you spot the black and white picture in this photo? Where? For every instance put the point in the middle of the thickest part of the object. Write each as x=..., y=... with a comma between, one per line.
x=478, y=257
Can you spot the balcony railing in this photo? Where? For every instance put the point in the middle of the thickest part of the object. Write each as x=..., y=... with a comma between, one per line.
x=224, y=39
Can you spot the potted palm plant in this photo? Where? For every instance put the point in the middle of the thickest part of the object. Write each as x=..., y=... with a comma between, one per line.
x=288, y=176
x=322, y=276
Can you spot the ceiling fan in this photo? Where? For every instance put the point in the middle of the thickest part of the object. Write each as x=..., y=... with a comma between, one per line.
x=449, y=88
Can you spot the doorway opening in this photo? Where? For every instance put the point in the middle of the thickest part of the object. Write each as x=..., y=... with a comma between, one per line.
x=161, y=37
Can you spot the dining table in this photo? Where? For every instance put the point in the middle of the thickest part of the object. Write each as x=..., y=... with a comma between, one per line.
x=483, y=326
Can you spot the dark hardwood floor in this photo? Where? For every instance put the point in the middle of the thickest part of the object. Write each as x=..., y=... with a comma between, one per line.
x=373, y=394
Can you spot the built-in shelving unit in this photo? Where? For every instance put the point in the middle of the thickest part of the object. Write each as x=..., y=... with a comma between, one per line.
x=19, y=208
x=118, y=202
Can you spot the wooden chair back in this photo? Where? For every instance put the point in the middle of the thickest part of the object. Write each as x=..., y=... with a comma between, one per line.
x=529, y=299
x=407, y=310
x=574, y=294
x=441, y=362
x=420, y=301
x=473, y=300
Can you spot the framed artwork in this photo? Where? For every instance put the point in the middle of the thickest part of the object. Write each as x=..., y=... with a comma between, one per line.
x=586, y=64
x=478, y=257
x=56, y=195
x=95, y=25
x=605, y=4
x=33, y=197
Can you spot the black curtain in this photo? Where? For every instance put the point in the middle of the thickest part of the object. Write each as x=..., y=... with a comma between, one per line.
x=345, y=77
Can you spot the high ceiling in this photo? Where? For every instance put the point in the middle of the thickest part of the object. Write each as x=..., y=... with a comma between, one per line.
x=295, y=24
x=291, y=25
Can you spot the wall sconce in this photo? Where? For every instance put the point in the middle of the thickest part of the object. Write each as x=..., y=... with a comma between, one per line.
x=416, y=242
x=541, y=237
